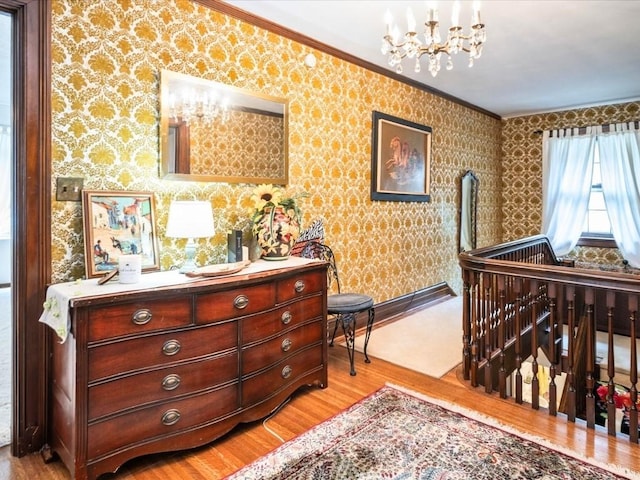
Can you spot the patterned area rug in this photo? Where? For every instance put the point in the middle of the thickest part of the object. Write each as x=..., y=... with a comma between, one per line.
x=397, y=434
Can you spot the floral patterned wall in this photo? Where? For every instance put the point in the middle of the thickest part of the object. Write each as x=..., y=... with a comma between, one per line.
x=522, y=169
x=106, y=60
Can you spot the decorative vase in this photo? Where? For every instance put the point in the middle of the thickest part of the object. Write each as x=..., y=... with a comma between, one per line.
x=276, y=232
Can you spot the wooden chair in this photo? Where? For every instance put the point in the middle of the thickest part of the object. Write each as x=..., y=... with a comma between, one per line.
x=343, y=306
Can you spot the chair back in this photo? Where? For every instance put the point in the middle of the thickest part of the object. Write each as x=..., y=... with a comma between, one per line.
x=320, y=251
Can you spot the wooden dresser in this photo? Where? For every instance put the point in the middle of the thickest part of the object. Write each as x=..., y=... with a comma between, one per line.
x=176, y=366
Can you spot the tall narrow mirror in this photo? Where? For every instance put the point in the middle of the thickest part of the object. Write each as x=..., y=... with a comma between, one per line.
x=468, y=211
x=211, y=132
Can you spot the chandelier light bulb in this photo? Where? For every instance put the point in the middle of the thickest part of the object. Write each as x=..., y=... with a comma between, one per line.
x=475, y=19
x=388, y=20
x=430, y=10
x=395, y=34
x=398, y=46
x=411, y=20
x=455, y=14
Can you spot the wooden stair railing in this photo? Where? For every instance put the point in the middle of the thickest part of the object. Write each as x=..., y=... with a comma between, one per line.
x=518, y=298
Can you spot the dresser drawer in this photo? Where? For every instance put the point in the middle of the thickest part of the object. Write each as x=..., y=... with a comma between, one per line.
x=139, y=317
x=152, y=422
x=261, y=355
x=300, y=285
x=233, y=303
x=140, y=389
x=279, y=320
x=159, y=349
x=261, y=386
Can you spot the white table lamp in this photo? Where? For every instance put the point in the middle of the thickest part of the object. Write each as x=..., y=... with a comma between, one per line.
x=190, y=219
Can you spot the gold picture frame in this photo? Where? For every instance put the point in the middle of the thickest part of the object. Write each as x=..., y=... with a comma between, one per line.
x=118, y=223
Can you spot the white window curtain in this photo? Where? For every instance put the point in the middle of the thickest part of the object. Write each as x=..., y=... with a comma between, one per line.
x=567, y=167
x=620, y=164
x=5, y=182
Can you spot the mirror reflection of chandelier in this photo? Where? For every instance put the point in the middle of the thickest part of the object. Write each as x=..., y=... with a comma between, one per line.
x=409, y=45
x=198, y=105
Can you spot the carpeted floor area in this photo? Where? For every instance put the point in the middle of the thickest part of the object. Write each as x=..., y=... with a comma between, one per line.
x=428, y=341
x=399, y=434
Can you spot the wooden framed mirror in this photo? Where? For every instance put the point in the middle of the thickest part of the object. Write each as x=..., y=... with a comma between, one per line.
x=468, y=211
x=211, y=132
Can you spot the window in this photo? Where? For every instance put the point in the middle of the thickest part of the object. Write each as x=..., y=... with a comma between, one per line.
x=597, y=227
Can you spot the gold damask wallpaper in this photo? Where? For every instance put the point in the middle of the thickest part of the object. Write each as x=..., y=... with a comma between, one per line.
x=106, y=61
x=522, y=169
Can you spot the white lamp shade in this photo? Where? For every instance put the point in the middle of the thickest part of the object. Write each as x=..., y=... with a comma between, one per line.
x=190, y=219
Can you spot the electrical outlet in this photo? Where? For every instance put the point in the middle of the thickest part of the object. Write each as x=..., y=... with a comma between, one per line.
x=69, y=189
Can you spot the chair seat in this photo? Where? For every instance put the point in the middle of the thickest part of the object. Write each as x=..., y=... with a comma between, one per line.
x=348, y=303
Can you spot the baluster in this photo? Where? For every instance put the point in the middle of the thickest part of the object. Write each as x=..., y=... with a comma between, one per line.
x=611, y=371
x=488, y=384
x=517, y=288
x=475, y=331
x=493, y=313
x=535, y=385
x=561, y=310
x=553, y=329
x=510, y=312
x=570, y=410
x=466, y=324
x=526, y=304
x=502, y=372
x=633, y=370
x=590, y=360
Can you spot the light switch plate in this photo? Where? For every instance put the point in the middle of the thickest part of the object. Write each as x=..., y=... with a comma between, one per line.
x=69, y=189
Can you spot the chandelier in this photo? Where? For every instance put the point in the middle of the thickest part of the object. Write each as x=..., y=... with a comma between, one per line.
x=409, y=45
x=198, y=105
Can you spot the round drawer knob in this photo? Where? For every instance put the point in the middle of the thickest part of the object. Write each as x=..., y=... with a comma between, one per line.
x=286, y=345
x=171, y=347
x=170, y=417
x=241, y=301
x=299, y=286
x=171, y=382
x=286, y=317
x=141, y=316
x=287, y=371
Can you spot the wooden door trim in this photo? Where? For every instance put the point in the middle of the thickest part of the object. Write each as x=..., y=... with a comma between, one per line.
x=31, y=268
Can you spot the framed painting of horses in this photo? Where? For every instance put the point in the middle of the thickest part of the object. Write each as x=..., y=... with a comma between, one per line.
x=115, y=224
x=400, y=159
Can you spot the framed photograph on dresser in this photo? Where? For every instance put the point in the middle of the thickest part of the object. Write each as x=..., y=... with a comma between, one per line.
x=115, y=224
x=400, y=159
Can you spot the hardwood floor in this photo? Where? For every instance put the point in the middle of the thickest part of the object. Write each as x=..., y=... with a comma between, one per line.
x=311, y=406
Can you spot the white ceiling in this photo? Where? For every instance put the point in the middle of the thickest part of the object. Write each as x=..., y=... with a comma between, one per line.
x=540, y=56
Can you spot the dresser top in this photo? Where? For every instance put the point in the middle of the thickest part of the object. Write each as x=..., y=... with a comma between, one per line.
x=61, y=296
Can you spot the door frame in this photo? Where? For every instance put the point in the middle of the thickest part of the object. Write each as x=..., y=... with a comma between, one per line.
x=31, y=222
